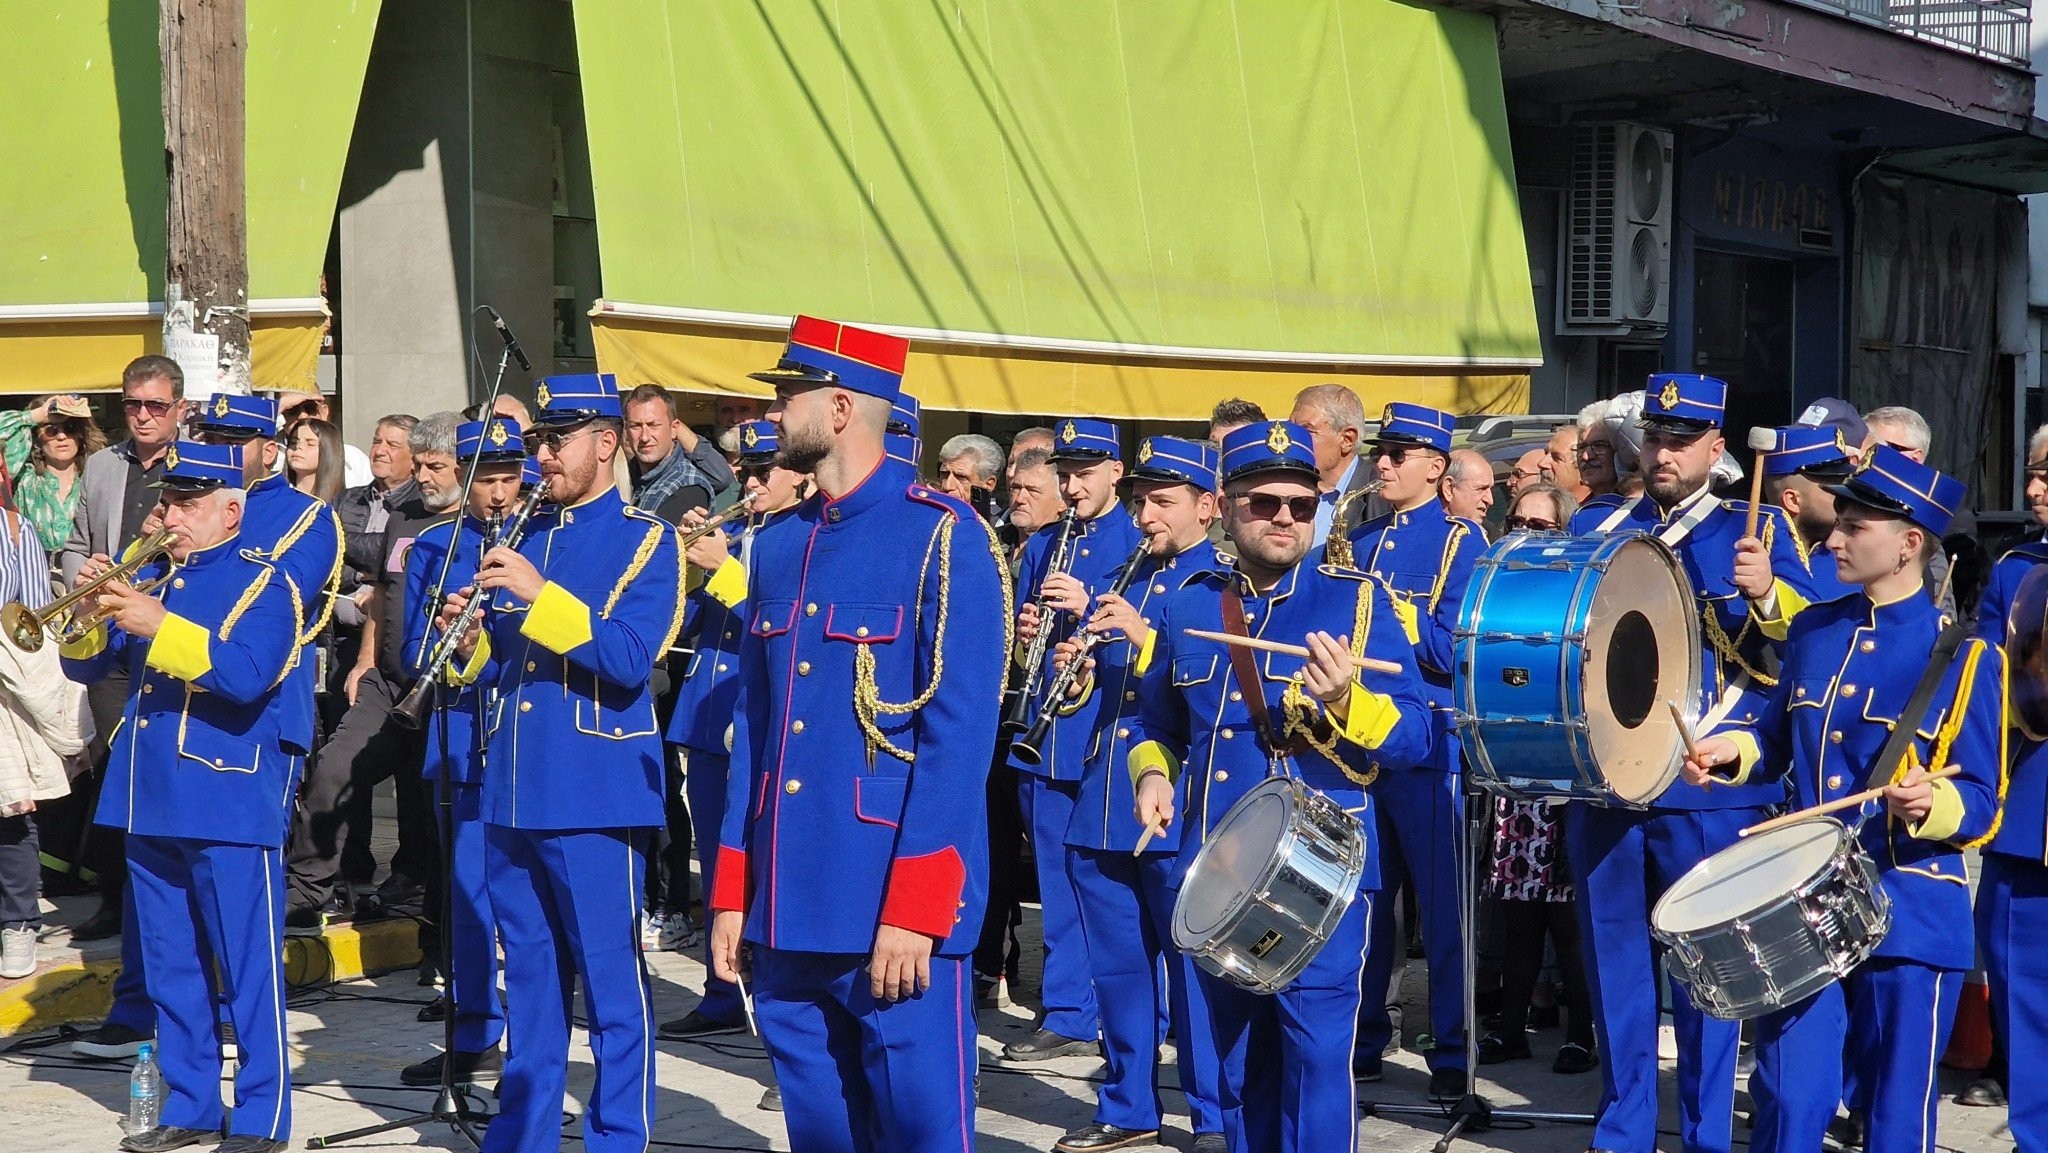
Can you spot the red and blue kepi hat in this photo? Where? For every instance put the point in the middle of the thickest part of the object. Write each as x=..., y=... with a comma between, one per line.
x=827, y=352
x=904, y=417
x=1269, y=446
x=1896, y=483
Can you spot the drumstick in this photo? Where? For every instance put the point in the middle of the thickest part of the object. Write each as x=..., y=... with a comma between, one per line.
x=1848, y=802
x=1369, y=663
x=1152, y=830
x=1761, y=441
x=1685, y=734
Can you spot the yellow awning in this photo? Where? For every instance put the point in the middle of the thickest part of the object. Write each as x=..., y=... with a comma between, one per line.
x=85, y=355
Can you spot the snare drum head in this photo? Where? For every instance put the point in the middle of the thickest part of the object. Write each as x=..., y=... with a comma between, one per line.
x=1747, y=876
x=1641, y=650
x=1234, y=859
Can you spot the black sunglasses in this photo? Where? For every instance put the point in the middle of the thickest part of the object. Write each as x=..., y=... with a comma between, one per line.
x=1392, y=452
x=756, y=472
x=152, y=407
x=552, y=439
x=1266, y=505
x=1540, y=524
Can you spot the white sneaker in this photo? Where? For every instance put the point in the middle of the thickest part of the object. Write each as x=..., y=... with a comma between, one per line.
x=651, y=927
x=17, y=953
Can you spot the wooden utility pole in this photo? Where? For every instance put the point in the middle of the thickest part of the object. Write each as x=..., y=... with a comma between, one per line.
x=207, y=251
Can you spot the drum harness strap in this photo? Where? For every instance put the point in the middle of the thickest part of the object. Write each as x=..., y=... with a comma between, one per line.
x=1729, y=649
x=1244, y=670
x=1890, y=758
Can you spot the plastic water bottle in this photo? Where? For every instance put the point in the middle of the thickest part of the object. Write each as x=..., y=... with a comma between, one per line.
x=145, y=1091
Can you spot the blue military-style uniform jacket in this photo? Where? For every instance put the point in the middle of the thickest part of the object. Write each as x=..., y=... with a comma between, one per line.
x=301, y=535
x=1106, y=811
x=196, y=754
x=1850, y=666
x=460, y=705
x=1099, y=551
x=1426, y=557
x=1193, y=718
x=1736, y=646
x=2024, y=830
x=714, y=623
x=871, y=683
x=571, y=740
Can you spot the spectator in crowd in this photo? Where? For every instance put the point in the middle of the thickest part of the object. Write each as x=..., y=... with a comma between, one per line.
x=1230, y=415
x=1599, y=473
x=1467, y=484
x=313, y=459
x=364, y=509
x=734, y=411
x=1335, y=417
x=46, y=726
x=672, y=470
x=1038, y=436
x=1529, y=468
x=293, y=407
x=970, y=466
x=728, y=443
x=1561, y=461
x=1902, y=428
x=46, y=446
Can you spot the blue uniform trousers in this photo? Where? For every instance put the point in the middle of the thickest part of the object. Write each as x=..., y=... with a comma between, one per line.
x=1127, y=912
x=1904, y=1011
x=568, y=904
x=203, y=899
x=860, y=1075
x=473, y=931
x=132, y=1008
x=1068, y=993
x=704, y=777
x=2012, y=920
x=1421, y=838
x=1286, y=1057
x=1623, y=860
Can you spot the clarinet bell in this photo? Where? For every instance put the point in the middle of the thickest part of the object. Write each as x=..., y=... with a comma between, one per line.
x=1029, y=747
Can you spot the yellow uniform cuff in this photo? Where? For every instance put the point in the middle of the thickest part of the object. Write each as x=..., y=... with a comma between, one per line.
x=1369, y=717
x=88, y=646
x=1747, y=753
x=1410, y=622
x=557, y=621
x=180, y=649
x=1145, y=650
x=1152, y=757
x=470, y=671
x=1784, y=604
x=1945, y=819
x=728, y=586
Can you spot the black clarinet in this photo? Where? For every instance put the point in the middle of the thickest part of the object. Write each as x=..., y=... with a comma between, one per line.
x=1017, y=717
x=1030, y=747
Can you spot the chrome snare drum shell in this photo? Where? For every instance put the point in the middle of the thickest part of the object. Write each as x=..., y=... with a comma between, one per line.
x=1269, y=885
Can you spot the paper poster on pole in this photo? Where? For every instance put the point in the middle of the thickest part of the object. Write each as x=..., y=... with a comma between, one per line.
x=198, y=354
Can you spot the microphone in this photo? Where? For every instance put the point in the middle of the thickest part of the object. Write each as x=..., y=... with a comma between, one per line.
x=511, y=342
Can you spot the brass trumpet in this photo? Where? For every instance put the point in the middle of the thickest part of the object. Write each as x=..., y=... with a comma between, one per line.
x=27, y=629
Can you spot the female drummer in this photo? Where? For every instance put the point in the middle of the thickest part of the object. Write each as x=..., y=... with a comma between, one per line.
x=1850, y=666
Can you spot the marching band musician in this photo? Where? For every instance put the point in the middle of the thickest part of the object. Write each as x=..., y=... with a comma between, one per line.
x=1626, y=858
x=713, y=620
x=1099, y=536
x=1850, y=668
x=1426, y=557
x=852, y=859
x=2012, y=893
x=1225, y=720
x=203, y=740
x=1125, y=881
x=1803, y=462
x=498, y=448
x=580, y=612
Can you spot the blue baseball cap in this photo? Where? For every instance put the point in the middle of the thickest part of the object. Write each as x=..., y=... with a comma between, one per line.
x=1269, y=446
x=1840, y=417
x=240, y=416
x=904, y=415
x=1683, y=402
x=903, y=447
x=827, y=352
x=498, y=440
x=1084, y=438
x=1415, y=424
x=1172, y=460
x=190, y=466
x=578, y=397
x=1894, y=482
x=759, y=442
x=1809, y=451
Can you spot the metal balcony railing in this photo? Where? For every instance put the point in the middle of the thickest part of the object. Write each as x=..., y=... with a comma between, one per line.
x=1988, y=29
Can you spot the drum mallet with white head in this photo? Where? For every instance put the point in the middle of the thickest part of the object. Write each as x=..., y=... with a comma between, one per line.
x=1761, y=442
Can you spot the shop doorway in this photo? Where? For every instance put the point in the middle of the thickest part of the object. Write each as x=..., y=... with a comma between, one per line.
x=1742, y=333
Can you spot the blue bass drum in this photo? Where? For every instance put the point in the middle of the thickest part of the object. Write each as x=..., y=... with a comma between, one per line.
x=1568, y=649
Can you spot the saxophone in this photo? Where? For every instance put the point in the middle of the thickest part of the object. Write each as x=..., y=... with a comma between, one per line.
x=1337, y=549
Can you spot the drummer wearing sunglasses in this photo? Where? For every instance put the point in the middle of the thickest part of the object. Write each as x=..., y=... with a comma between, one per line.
x=1228, y=718
x=1850, y=668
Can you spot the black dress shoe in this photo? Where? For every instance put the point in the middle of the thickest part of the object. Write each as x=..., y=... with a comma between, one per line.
x=467, y=1067
x=110, y=1042
x=1044, y=1045
x=1983, y=1093
x=101, y=925
x=1210, y=1143
x=434, y=1010
x=771, y=1101
x=245, y=1143
x=1448, y=1085
x=694, y=1025
x=1848, y=1131
x=1495, y=1048
x=1095, y=1137
x=1574, y=1058
x=165, y=1137
x=1365, y=1068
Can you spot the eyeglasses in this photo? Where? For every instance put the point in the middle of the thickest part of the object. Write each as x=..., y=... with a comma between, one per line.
x=1393, y=453
x=1540, y=524
x=1267, y=506
x=553, y=439
x=1526, y=474
x=1594, y=448
x=156, y=408
x=756, y=472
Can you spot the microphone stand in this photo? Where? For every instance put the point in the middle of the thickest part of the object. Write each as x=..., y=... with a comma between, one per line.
x=451, y=1103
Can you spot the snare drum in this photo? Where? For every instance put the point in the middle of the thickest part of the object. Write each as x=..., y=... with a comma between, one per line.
x=1567, y=650
x=1773, y=919
x=1269, y=885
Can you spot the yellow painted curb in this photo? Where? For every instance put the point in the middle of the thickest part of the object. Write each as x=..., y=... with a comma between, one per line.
x=84, y=991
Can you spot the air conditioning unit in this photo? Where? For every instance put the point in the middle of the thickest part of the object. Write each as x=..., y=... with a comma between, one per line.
x=1614, y=243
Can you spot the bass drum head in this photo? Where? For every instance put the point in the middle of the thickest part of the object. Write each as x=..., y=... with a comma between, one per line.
x=1750, y=875
x=1233, y=863
x=1642, y=650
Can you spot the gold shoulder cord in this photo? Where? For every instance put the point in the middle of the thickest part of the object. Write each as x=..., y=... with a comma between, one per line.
x=1730, y=649
x=641, y=556
x=1443, y=564
x=328, y=588
x=1951, y=726
x=868, y=704
x=1300, y=712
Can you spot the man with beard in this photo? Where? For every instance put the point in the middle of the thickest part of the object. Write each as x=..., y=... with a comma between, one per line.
x=1227, y=720
x=852, y=857
x=1802, y=465
x=1623, y=858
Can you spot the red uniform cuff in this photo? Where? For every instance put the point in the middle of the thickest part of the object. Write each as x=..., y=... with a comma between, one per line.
x=731, y=881
x=924, y=893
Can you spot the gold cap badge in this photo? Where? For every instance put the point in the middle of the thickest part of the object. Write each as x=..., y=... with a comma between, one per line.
x=498, y=434
x=750, y=436
x=1068, y=432
x=1277, y=438
x=1669, y=397
x=541, y=394
x=220, y=405
x=1144, y=452
x=171, y=458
